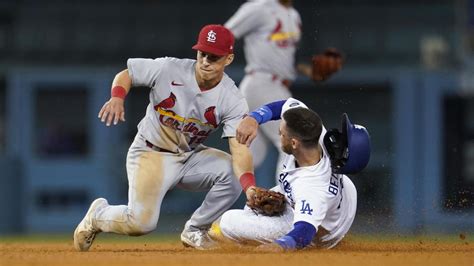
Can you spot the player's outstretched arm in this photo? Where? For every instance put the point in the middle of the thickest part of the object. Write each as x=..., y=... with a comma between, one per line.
x=242, y=164
x=241, y=158
x=113, y=109
x=248, y=127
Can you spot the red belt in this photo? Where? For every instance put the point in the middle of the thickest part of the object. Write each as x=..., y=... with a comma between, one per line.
x=156, y=148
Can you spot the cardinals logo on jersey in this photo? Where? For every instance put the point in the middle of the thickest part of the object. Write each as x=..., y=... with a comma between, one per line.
x=166, y=103
x=210, y=116
x=281, y=38
x=196, y=129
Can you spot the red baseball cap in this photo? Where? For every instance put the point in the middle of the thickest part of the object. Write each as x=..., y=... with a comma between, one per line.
x=215, y=39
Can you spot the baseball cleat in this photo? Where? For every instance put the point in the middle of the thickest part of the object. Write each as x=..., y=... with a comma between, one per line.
x=198, y=239
x=85, y=232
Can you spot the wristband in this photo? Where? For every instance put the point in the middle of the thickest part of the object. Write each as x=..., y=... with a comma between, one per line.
x=247, y=180
x=119, y=91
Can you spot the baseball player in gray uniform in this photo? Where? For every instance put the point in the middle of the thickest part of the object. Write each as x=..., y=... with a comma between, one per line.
x=189, y=99
x=271, y=30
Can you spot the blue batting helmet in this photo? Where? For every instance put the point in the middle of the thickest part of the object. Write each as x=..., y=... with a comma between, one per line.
x=348, y=150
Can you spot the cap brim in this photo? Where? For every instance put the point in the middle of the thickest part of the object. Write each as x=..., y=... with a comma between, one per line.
x=210, y=49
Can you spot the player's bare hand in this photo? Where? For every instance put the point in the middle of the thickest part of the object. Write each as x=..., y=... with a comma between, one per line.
x=247, y=130
x=270, y=247
x=112, y=111
x=305, y=69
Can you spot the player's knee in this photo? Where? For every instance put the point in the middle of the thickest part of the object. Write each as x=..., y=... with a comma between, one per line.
x=223, y=166
x=232, y=185
x=236, y=188
x=226, y=175
x=138, y=227
x=226, y=223
x=231, y=224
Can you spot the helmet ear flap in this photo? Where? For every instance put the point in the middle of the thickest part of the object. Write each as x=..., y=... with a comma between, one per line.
x=337, y=148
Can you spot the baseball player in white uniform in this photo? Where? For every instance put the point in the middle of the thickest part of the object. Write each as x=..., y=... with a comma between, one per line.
x=271, y=30
x=189, y=99
x=319, y=199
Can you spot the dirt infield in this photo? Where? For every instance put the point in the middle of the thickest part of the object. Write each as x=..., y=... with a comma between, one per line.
x=352, y=251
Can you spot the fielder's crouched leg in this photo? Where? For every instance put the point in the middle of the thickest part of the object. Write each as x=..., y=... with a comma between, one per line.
x=216, y=175
x=126, y=221
x=120, y=219
x=147, y=187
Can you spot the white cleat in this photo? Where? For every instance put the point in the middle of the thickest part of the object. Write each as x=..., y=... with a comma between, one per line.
x=198, y=239
x=85, y=232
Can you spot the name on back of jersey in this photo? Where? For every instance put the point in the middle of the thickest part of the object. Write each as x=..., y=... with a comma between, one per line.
x=286, y=186
x=334, y=185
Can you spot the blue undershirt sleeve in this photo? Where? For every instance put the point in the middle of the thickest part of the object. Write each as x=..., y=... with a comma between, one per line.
x=270, y=111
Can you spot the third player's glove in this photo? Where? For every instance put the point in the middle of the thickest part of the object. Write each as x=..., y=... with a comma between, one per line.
x=326, y=64
x=267, y=202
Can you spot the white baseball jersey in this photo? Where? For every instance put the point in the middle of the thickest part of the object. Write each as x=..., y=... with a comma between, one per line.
x=271, y=32
x=180, y=116
x=314, y=192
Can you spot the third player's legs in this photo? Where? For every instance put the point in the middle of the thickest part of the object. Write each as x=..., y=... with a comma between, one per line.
x=259, y=89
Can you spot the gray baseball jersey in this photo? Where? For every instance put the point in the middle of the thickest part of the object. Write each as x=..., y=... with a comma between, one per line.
x=271, y=32
x=180, y=116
